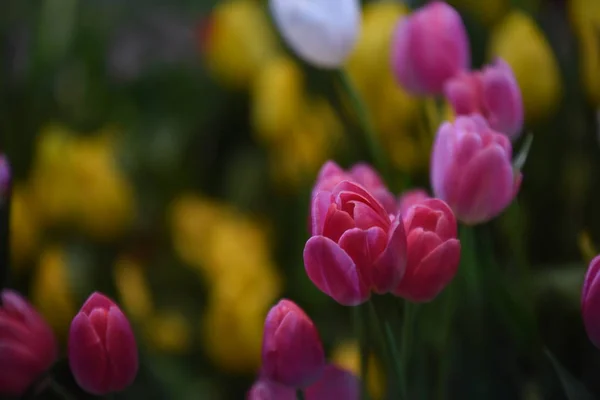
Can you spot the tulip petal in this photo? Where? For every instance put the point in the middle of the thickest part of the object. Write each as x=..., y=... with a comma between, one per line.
x=96, y=300
x=19, y=368
x=336, y=223
x=347, y=191
x=319, y=208
x=268, y=390
x=389, y=268
x=365, y=217
x=332, y=270
x=486, y=187
x=121, y=349
x=442, y=155
x=363, y=247
x=87, y=356
x=336, y=383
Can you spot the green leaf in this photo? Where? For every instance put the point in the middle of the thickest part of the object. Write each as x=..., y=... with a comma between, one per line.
x=521, y=157
x=574, y=390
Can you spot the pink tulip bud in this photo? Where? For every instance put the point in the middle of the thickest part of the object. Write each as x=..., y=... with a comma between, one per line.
x=410, y=198
x=471, y=169
x=102, y=350
x=433, y=250
x=27, y=345
x=429, y=47
x=335, y=383
x=590, y=302
x=292, y=353
x=331, y=174
x=493, y=93
x=356, y=247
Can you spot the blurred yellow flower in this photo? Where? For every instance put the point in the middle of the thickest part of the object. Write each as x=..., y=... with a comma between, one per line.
x=277, y=99
x=50, y=180
x=133, y=289
x=519, y=41
x=232, y=332
x=347, y=355
x=307, y=146
x=487, y=12
x=104, y=198
x=51, y=290
x=585, y=19
x=370, y=69
x=240, y=41
x=24, y=227
x=168, y=332
x=586, y=246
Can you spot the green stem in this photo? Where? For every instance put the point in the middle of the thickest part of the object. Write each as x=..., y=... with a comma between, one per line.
x=378, y=156
x=468, y=263
x=407, y=330
x=360, y=327
x=300, y=394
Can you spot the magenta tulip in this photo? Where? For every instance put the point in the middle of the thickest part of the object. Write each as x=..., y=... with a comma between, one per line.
x=433, y=250
x=410, y=198
x=27, y=344
x=429, y=47
x=102, y=349
x=471, y=169
x=292, y=353
x=356, y=247
x=493, y=93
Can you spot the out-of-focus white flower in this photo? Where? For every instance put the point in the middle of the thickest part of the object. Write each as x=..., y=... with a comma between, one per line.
x=322, y=32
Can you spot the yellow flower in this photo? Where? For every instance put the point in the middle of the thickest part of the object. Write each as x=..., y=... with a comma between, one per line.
x=104, y=198
x=277, y=99
x=168, y=332
x=346, y=355
x=232, y=332
x=240, y=41
x=585, y=18
x=307, y=146
x=191, y=219
x=133, y=289
x=24, y=227
x=487, y=12
x=519, y=41
x=52, y=292
x=51, y=183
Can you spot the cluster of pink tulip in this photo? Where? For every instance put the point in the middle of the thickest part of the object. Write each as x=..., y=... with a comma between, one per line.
x=102, y=350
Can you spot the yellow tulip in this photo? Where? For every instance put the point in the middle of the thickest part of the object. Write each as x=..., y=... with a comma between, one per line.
x=24, y=227
x=521, y=43
x=585, y=18
x=52, y=292
x=277, y=99
x=346, y=355
x=240, y=42
x=133, y=288
x=168, y=332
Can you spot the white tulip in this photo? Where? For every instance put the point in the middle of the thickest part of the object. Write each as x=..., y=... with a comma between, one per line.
x=322, y=32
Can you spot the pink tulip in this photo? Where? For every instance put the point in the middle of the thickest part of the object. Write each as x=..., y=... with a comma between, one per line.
x=590, y=302
x=356, y=247
x=410, y=198
x=335, y=383
x=471, y=169
x=102, y=350
x=429, y=47
x=292, y=353
x=331, y=174
x=27, y=344
x=433, y=250
x=493, y=93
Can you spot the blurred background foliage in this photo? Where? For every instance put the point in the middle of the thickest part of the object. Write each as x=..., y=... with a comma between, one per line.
x=164, y=153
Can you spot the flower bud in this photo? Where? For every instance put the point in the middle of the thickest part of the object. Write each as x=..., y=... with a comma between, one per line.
x=102, y=350
x=433, y=250
x=471, y=169
x=590, y=302
x=292, y=353
x=27, y=344
x=493, y=93
x=410, y=198
x=323, y=33
x=429, y=47
x=357, y=247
